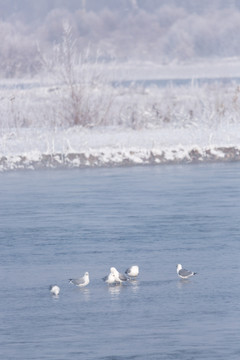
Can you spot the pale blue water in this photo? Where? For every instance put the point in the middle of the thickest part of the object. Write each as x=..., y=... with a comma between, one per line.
x=58, y=224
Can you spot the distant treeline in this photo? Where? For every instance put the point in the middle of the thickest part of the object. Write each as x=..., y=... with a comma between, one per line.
x=156, y=30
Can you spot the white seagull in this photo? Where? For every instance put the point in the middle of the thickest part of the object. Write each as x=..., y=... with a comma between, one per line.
x=183, y=273
x=133, y=271
x=83, y=281
x=110, y=279
x=118, y=276
x=54, y=290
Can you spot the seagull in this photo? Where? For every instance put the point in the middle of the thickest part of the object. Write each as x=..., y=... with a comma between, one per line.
x=133, y=271
x=183, y=273
x=110, y=279
x=83, y=281
x=118, y=276
x=54, y=290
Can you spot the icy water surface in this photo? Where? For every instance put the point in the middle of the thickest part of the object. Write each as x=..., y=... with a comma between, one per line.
x=55, y=225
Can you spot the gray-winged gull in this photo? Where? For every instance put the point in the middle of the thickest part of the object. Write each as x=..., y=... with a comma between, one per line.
x=110, y=279
x=132, y=271
x=83, y=281
x=183, y=273
x=118, y=276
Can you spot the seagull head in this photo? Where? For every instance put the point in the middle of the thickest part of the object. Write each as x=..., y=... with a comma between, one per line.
x=113, y=270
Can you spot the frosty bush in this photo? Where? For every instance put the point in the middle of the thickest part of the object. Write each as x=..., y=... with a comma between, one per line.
x=85, y=96
x=93, y=104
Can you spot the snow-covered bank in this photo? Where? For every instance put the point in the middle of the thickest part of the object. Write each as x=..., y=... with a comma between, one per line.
x=78, y=147
x=110, y=157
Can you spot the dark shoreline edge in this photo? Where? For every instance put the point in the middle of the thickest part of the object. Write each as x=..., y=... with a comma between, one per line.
x=120, y=158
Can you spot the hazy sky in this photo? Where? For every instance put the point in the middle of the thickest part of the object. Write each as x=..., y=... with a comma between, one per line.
x=32, y=10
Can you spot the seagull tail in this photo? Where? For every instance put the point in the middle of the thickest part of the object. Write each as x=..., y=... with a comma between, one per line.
x=194, y=273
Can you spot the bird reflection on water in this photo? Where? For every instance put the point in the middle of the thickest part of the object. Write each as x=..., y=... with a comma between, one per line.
x=134, y=285
x=114, y=291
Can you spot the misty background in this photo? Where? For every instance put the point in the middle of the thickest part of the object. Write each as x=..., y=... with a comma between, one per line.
x=161, y=31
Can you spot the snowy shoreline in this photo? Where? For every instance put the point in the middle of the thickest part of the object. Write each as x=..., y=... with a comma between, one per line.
x=78, y=147
x=115, y=157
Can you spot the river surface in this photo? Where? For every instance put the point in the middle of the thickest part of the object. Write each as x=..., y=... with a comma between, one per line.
x=55, y=225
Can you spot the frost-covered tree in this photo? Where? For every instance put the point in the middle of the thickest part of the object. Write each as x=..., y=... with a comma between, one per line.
x=84, y=94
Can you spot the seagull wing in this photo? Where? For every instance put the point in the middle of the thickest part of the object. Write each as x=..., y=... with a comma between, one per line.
x=184, y=272
x=77, y=282
x=122, y=277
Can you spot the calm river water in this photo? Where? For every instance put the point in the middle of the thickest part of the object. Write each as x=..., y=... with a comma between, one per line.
x=55, y=225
